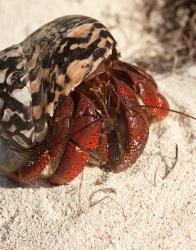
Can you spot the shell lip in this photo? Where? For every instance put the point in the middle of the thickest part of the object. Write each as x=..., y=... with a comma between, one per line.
x=115, y=54
x=100, y=67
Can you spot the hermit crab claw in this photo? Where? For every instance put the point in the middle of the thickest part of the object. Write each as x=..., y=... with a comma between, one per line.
x=143, y=85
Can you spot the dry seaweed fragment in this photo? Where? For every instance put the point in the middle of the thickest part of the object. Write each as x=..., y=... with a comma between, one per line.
x=174, y=25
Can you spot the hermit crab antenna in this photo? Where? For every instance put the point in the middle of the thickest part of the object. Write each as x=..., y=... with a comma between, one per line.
x=168, y=109
x=161, y=108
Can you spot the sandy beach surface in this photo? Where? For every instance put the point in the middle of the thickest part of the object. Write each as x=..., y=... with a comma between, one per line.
x=135, y=209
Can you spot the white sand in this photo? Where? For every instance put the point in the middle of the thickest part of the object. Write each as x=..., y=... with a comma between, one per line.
x=135, y=209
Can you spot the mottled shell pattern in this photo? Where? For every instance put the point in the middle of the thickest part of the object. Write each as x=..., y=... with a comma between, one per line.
x=37, y=73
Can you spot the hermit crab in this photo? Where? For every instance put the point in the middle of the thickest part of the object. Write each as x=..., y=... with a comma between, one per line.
x=66, y=100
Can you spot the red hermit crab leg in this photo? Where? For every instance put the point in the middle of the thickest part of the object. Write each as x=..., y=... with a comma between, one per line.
x=85, y=136
x=55, y=136
x=58, y=129
x=31, y=170
x=122, y=141
x=134, y=135
x=143, y=85
x=72, y=163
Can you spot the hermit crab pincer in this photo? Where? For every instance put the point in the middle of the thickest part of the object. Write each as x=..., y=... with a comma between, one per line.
x=66, y=99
